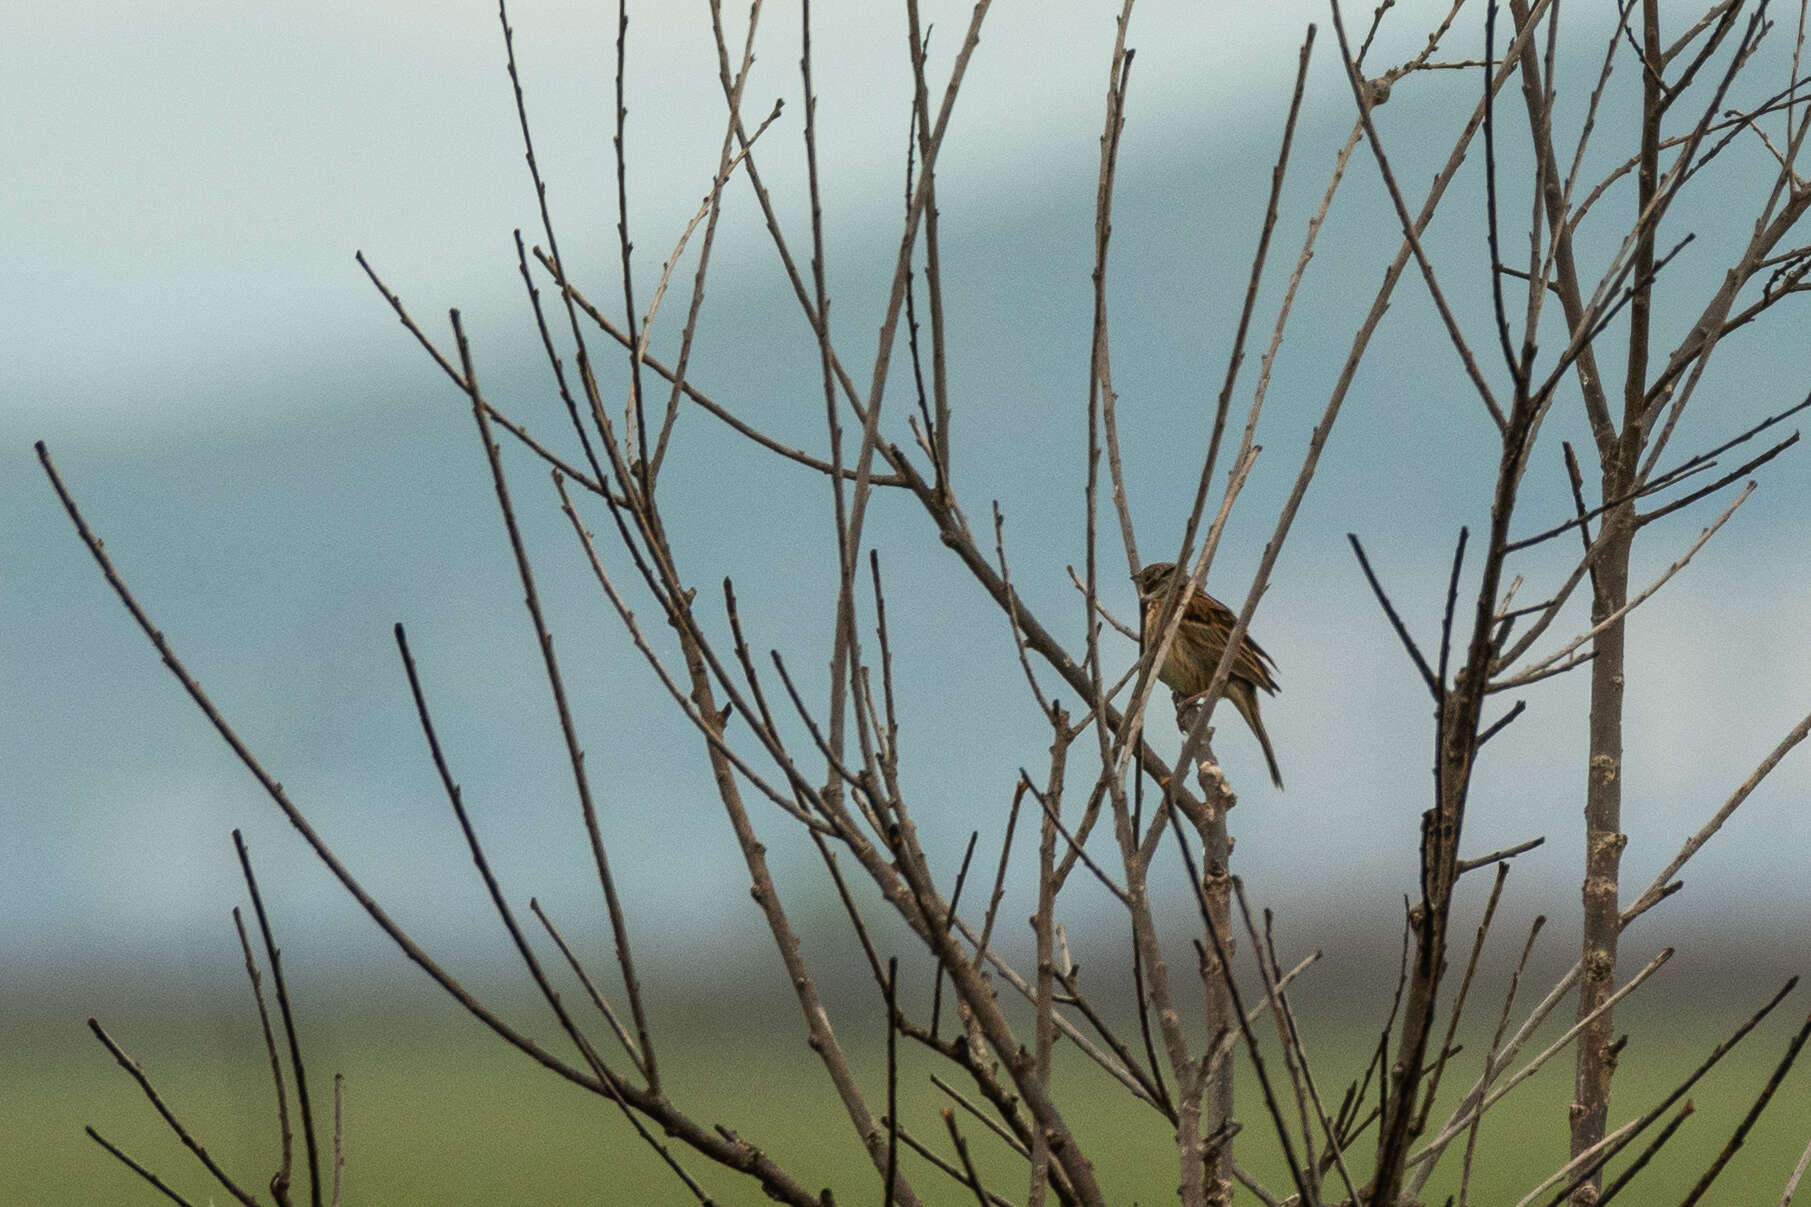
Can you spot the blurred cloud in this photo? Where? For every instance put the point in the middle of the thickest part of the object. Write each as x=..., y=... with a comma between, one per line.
x=187, y=183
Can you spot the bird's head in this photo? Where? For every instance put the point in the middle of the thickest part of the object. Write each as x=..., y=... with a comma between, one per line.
x=1155, y=580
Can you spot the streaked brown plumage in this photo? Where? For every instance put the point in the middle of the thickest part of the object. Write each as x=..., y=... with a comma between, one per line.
x=1199, y=643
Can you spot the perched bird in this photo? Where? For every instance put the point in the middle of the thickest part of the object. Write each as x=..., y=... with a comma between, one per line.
x=1200, y=641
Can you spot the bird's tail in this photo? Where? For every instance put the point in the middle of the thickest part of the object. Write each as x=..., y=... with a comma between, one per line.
x=1247, y=703
x=1270, y=756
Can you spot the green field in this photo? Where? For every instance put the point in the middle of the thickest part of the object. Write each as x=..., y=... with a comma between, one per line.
x=439, y=1112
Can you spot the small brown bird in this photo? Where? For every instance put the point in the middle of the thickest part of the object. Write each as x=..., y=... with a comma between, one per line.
x=1196, y=651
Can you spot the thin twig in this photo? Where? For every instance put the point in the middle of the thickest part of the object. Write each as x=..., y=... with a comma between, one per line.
x=1468, y=865
x=1663, y=883
x=587, y=378
x=575, y=753
x=1271, y=970
x=1798, y=1175
x=918, y=1146
x=1754, y=1112
x=279, y=1183
x=1491, y=1067
x=955, y=901
x=854, y=912
x=1010, y=1140
x=182, y=1133
x=968, y=1165
x=1389, y=610
x=594, y=485
x=1411, y=226
x=1153, y=1084
x=993, y=900
x=609, y=1080
x=1296, y=1171
x=1458, y=1007
x=1088, y=860
x=275, y=956
x=152, y=1178
x=1070, y=1031
x=722, y=413
x=1615, y=1186
x=712, y=207
x=553, y=357
x=1492, y=730
x=590, y=986
x=636, y=417
x=339, y=1136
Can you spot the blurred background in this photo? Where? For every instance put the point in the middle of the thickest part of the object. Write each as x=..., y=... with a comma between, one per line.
x=282, y=475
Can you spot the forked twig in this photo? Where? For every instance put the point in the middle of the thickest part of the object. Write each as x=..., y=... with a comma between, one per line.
x=275, y=956
x=279, y=1182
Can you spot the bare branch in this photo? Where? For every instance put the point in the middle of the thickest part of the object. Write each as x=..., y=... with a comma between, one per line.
x=1754, y=1112
x=1468, y=865
x=568, y=730
x=151, y=1178
x=275, y=956
x=279, y=1182
x=1612, y=1144
x=968, y=1165
x=672, y=375
x=1434, y=685
x=339, y=1136
x=182, y=1133
x=1663, y=884
x=1532, y=673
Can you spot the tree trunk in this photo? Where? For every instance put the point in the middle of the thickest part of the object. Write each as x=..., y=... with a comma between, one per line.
x=1604, y=840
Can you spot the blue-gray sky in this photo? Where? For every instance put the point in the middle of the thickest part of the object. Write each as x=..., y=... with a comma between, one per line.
x=282, y=475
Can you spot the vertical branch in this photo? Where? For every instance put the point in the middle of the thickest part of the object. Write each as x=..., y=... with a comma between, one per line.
x=955, y=900
x=1604, y=840
x=1101, y=398
x=636, y=416
x=939, y=436
x=1218, y=939
x=1045, y=924
x=1459, y=703
x=1223, y=1013
x=1100, y=419
x=339, y=1136
x=892, y=1174
x=844, y=650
